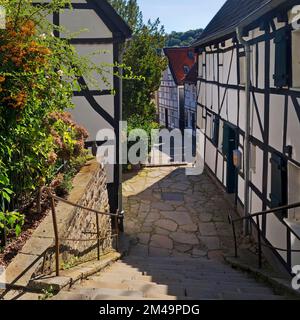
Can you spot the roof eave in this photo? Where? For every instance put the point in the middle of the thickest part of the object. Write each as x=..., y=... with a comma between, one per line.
x=254, y=15
x=119, y=23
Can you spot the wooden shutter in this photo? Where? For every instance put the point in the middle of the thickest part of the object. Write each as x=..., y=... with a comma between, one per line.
x=215, y=138
x=282, y=74
x=278, y=182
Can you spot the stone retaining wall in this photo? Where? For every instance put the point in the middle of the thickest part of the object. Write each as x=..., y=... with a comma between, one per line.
x=89, y=191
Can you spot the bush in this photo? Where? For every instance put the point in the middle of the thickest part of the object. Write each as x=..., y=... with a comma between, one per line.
x=140, y=122
x=38, y=73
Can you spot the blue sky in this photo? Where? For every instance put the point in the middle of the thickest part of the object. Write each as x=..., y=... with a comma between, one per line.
x=181, y=15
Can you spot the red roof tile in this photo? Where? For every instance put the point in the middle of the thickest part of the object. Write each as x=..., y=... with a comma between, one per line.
x=179, y=59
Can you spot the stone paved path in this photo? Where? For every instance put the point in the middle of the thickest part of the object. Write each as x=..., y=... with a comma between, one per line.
x=171, y=214
x=179, y=231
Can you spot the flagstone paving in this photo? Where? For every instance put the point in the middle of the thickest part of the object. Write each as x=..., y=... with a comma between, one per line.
x=171, y=214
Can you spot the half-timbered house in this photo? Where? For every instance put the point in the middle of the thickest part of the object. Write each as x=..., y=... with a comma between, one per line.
x=190, y=99
x=249, y=113
x=171, y=91
x=100, y=33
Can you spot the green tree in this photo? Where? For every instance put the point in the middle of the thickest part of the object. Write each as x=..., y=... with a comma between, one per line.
x=141, y=55
x=130, y=12
x=180, y=39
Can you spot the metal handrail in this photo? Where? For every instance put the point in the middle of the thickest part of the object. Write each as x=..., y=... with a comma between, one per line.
x=259, y=235
x=53, y=197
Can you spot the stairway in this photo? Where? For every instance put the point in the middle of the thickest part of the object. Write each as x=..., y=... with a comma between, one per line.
x=167, y=278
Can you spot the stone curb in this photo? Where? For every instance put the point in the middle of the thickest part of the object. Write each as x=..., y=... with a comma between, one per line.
x=71, y=276
x=278, y=284
x=175, y=164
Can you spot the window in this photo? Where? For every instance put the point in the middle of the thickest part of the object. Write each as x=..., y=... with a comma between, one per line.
x=191, y=55
x=282, y=41
x=242, y=70
x=186, y=69
x=296, y=58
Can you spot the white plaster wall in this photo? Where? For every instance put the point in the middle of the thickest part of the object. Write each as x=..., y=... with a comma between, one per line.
x=257, y=174
x=220, y=168
x=255, y=127
x=241, y=188
x=101, y=54
x=86, y=116
x=210, y=155
x=276, y=233
x=85, y=22
x=232, y=106
x=276, y=121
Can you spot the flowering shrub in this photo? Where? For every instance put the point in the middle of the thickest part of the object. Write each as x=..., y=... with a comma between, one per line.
x=38, y=74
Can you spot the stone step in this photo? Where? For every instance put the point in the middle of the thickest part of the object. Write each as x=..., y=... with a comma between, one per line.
x=121, y=277
x=143, y=267
x=93, y=292
x=178, y=287
x=116, y=298
x=159, y=275
x=21, y=295
x=178, y=260
x=167, y=260
x=182, y=288
x=99, y=293
x=165, y=269
x=65, y=295
x=135, y=285
x=125, y=270
x=250, y=296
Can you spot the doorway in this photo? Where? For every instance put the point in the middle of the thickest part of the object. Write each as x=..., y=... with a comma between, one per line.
x=230, y=143
x=279, y=183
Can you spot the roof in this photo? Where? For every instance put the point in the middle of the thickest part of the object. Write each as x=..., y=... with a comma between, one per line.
x=232, y=14
x=179, y=58
x=112, y=19
x=192, y=75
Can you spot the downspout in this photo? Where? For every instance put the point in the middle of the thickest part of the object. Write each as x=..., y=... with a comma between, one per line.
x=242, y=41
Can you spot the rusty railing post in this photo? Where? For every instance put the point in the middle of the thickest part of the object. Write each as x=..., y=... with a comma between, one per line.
x=98, y=236
x=55, y=228
x=259, y=243
x=231, y=221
